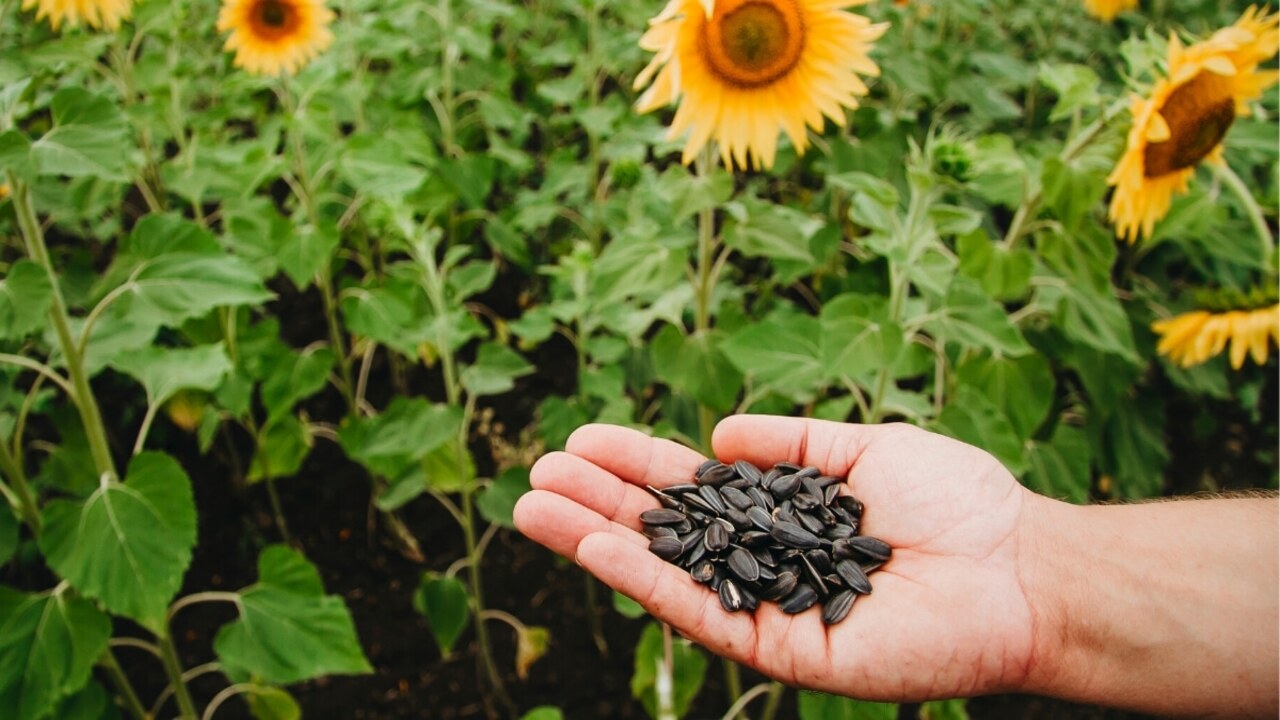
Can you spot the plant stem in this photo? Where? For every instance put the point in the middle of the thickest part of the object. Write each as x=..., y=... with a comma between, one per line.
x=703, y=285
x=1229, y=178
x=90, y=416
x=477, y=599
x=131, y=702
x=278, y=510
x=776, y=690
x=173, y=668
x=733, y=688
x=20, y=489
x=325, y=283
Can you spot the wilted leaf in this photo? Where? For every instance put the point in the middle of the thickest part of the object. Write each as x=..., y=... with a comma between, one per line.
x=531, y=645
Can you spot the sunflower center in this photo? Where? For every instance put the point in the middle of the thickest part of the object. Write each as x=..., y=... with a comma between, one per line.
x=274, y=18
x=750, y=43
x=1199, y=114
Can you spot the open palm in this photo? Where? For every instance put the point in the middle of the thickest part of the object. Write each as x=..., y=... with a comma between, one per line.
x=948, y=616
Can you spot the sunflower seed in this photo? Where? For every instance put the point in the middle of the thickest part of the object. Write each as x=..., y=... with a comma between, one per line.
x=760, y=498
x=718, y=475
x=736, y=497
x=835, y=532
x=809, y=471
x=739, y=484
x=696, y=553
x=755, y=539
x=765, y=557
x=748, y=471
x=805, y=502
x=793, y=535
x=749, y=601
x=851, y=505
x=712, y=497
x=703, y=571
x=801, y=599
x=664, y=499
x=837, y=607
x=759, y=518
x=743, y=564
x=738, y=519
x=680, y=489
x=767, y=575
x=663, y=516
x=717, y=538
x=830, y=493
x=657, y=531
x=873, y=548
x=820, y=560
x=787, y=467
x=781, y=587
x=667, y=548
x=853, y=576
x=705, y=466
x=695, y=501
x=773, y=474
x=730, y=596
x=785, y=486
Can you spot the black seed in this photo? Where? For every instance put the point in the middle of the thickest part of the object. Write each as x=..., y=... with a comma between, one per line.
x=738, y=519
x=717, y=538
x=841, y=549
x=680, y=489
x=739, y=484
x=810, y=485
x=662, y=516
x=760, y=498
x=811, y=523
x=789, y=468
x=814, y=577
x=743, y=564
x=785, y=486
x=703, y=571
x=769, y=477
x=705, y=466
x=667, y=548
x=823, y=513
x=784, y=514
x=825, y=481
x=694, y=500
x=820, y=560
x=853, y=576
x=692, y=538
x=718, y=577
x=851, y=505
x=657, y=531
x=712, y=496
x=801, y=599
x=755, y=539
x=835, y=532
x=837, y=607
x=767, y=575
x=830, y=493
x=749, y=601
x=793, y=535
x=735, y=497
x=764, y=555
x=718, y=475
x=805, y=502
x=696, y=553
x=870, y=566
x=874, y=548
x=810, y=471
x=759, y=518
x=747, y=471
x=730, y=596
x=684, y=526
x=780, y=587
x=664, y=499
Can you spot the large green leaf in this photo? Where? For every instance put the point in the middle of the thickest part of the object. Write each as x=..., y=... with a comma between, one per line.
x=443, y=600
x=772, y=231
x=392, y=314
x=1023, y=387
x=497, y=502
x=25, y=294
x=780, y=354
x=377, y=166
x=1060, y=468
x=696, y=366
x=294, y=377
x=88, y=137
x=495, y=370
x=401, y=435
x=283, y=444
x=858, y=337
x=48, y=645
x=1002, y=273
x=91, y=702
x=164, y=371
x=8, y=532
x=971, y=417
x=289, y=630
x=970, y=317
x=174, y=287
x=690, y=667
x=128, y=544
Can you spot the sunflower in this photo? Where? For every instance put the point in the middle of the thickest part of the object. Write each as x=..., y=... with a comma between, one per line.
x=1186, y=117
x=96, y=13
x=748, y=69
x=1192, y=338
x=273, y=37
x=1107, y=10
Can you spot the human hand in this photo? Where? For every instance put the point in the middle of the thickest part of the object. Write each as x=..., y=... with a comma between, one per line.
x=948, y=617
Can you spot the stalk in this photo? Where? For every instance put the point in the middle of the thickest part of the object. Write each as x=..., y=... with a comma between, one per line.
x=589, y=582
x=123, y=686
x=173, y=668
x=774, y=700
x=19, y=488
x=90, y=416
x=477, y=598
x=1251, y=208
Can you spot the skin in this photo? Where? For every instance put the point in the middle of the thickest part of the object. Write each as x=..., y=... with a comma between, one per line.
x=1161, y=607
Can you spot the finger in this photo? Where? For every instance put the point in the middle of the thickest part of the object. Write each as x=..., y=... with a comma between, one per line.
x=832, y=447
x=634, y=456
x=588, y=485
x=560, y=523
x=669, y=594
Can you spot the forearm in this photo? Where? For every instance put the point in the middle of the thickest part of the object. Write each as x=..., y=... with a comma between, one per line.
x=1170, y=608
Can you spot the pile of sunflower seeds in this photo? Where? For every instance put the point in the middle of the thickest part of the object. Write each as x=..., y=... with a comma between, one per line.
x=785, y=535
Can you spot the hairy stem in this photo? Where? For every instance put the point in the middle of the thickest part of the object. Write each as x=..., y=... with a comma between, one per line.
x=173, y=668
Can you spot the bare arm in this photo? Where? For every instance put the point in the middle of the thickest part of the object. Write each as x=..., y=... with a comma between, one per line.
x=1170, y=607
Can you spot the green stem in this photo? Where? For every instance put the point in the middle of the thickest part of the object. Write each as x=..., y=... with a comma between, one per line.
x=173, y=668
x=703, y=286
x=19, y=488
x=325, y=284
x=90, y=416
x=1229, y=178
x=733, y=685
x=771, y=703
x=278, y=510
x=477, y=599
x=123, y=686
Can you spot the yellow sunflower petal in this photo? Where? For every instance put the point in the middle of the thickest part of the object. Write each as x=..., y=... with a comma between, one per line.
x=275, y=37
x=105, y=14
x=744, y=71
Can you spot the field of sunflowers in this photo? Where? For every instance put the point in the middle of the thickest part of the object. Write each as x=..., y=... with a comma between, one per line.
x=293, y=293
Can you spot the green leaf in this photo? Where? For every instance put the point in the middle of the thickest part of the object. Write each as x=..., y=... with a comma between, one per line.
x=307, y=251
x=1088, y=316
x=1023, y=387
x=443, y=600
x=497, y=501
x=689, y=668
x=543, y=712
x=494, y=371
x=25, y=294
x=165, y=371
x=1075, y=85
x=159, y=234
x=1060, y=468
x=627, y=607
x=294, y=377
x=771, y=231
x=172, y=288
x=91, y=702
x=1130, y=445
x=689, y=194
x=87, y=139
x=378, y=167
x=633, y=269
x=282, y=447
x=392, y=314
x=697, y=366
x=820, y=706
x=401, y=435
x=1073, y=188
x=945, y=710
x=8, y=533
x=858, y=336
x=449, y=468
x=969, y=317
x=289, y=630
x=971, y=417
x=780, y=354
x=15, y=153
x=557, y=419
x=49, y=643
x=270, y=703
x=128, y=544
x=1003, y=274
